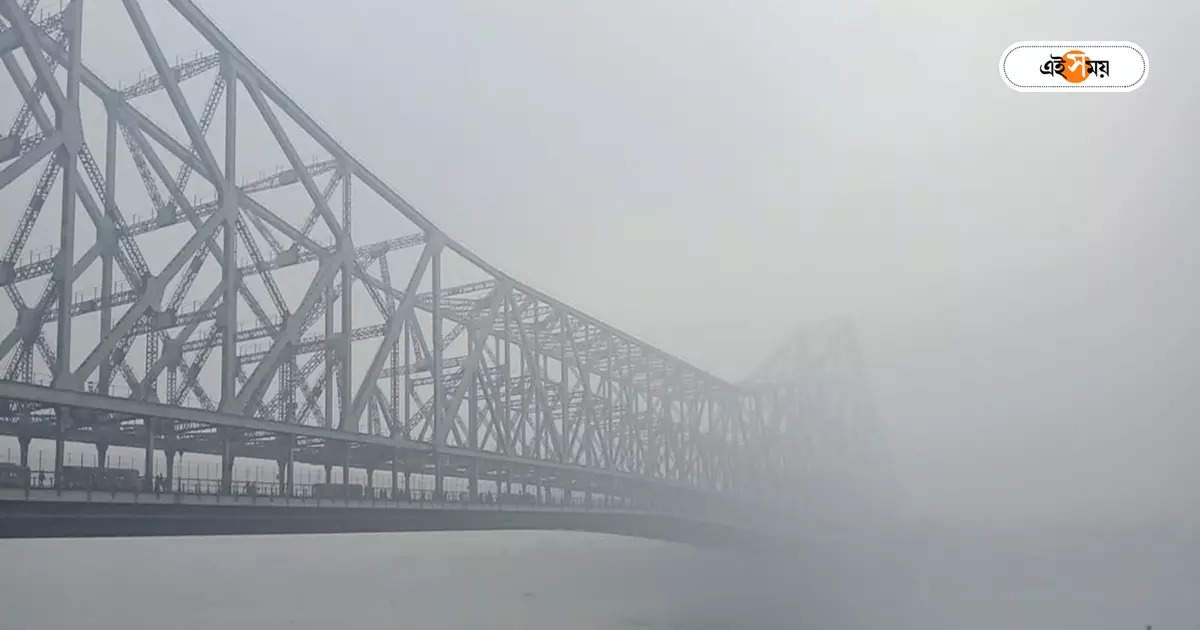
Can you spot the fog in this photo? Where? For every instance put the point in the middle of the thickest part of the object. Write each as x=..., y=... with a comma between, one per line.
x=712, y=176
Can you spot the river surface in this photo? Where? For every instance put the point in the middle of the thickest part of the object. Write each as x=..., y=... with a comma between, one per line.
x=553, y=580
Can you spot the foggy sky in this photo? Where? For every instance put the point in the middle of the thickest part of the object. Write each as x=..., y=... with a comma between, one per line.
x=710, y=176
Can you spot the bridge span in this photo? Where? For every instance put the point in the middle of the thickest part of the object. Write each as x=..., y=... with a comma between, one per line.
x=196, y=267
x=45, y=513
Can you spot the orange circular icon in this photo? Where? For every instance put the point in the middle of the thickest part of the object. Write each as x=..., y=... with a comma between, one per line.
x=1076, y=66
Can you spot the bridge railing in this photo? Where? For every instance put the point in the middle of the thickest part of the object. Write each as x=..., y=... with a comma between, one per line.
x=44, y=479
x=39, y=486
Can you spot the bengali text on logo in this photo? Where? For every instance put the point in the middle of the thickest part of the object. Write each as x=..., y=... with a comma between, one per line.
x=1078, y=67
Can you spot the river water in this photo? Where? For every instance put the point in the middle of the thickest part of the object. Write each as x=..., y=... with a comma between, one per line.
x=552, y=580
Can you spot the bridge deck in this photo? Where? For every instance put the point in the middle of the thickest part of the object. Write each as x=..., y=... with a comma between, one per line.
x=47, y=513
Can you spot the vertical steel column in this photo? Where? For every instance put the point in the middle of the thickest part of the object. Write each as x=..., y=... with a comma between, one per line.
x=281, y=472
x=521, y=434
x=286, y=462
x=394, y=356
x=170, y=459
x=472, y=395
x=330, y=363
x=226, y=462
x=564, y=395
x=23, y=442
x=68, y=123
x=229, y=266
x=609, y=442
x=153, y=339
x=179, y=484
x=535, y=378
x=395, y=475
x=148, y=469
x=59, y=450
x=650, y=457
x=473, y=419
x=587, y=413
x=109, y=248
x=346, y=467
x=473, y=480
x=291, y=470
x=506, y=413
x=347, y=245
x=287, y=387
x=438, y=402
x=407, y=380
x=547, y=409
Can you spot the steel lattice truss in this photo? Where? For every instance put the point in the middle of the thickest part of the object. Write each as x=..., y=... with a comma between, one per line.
x=197, y=297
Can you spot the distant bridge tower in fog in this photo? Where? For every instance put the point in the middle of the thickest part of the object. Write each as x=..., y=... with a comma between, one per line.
x=844, y=467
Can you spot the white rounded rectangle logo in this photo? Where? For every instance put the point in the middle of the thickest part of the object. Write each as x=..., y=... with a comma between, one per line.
x=1078, y=67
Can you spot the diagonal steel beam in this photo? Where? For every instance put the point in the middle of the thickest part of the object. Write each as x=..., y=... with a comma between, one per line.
x=395, y=325
x=288, y=335
x=150, y=43
x=478, y=327
x=152, y=295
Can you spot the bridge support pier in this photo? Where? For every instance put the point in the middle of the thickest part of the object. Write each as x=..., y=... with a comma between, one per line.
x=148, y=474
x=227, y=465
x=408, y=483
x=370, y=482
x=291, y=473
x=438, y=483
x=281, y=474
x=287, y=467
x=59, y=449
x=473, y=482
x=23, y=441
x=346, y=466
x=395, y=480
x=170, y=481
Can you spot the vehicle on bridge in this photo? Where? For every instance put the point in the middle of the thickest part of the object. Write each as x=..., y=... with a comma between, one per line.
x=109, y=479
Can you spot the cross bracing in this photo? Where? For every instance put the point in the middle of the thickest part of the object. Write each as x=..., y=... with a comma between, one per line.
x=194, y=294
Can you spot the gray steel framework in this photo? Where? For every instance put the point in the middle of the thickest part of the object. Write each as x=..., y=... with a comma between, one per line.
x=409, y=352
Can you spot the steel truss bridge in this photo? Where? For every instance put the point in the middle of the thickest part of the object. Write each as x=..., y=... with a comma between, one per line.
x=196, y=266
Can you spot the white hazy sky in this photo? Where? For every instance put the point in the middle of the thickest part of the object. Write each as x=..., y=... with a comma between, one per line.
x=709, y=176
